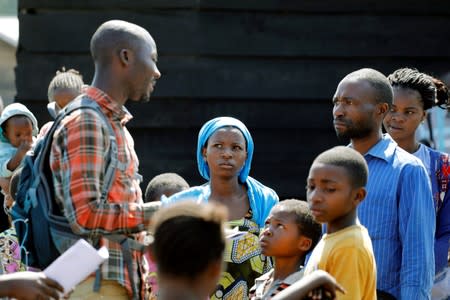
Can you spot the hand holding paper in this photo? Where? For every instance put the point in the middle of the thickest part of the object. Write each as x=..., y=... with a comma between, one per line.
x=74, y=265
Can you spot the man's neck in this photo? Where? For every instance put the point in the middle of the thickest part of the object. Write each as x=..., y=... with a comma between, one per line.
x=363, y=145
x=113, y=89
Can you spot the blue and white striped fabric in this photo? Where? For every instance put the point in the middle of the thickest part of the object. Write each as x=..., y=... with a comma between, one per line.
x=399, y=214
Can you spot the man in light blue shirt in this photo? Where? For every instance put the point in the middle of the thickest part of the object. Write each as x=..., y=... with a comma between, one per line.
x=398, y=209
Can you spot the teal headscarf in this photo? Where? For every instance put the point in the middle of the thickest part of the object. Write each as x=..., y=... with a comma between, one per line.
x=208, y=129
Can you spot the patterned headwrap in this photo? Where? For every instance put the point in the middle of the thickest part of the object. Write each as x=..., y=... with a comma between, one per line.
x=208, y=129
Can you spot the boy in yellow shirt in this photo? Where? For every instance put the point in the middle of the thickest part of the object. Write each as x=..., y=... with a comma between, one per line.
x=335, y=186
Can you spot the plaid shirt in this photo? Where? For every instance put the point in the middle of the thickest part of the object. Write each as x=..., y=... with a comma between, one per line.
x=78, y=163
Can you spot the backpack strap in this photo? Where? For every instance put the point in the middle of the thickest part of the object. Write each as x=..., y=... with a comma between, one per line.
x=113, y=163
x=79, y=103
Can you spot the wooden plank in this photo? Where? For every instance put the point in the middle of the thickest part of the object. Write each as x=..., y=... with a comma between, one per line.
x=255, y=114
x=34, y=72
x=138, y=5
x=181, y=114
x=226, y=78
x=248, y=34
x=350, y=6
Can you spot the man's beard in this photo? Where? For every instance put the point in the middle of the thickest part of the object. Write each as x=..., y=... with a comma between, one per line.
x=354, y=131
x=142, y=99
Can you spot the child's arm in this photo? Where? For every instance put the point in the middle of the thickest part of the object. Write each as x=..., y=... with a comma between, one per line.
x=4, y=184
x=316, y=279
x=15, y=161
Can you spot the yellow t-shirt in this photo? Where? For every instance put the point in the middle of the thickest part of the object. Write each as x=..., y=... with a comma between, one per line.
x=348, y=256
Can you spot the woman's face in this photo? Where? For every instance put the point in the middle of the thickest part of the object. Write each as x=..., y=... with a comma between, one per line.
x=405, y=115
x=225, y=152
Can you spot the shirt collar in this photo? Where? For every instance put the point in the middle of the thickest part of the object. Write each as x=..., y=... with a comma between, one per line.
x=384, y=149
x=111, y=108
x=294, y=277
x=288, y=280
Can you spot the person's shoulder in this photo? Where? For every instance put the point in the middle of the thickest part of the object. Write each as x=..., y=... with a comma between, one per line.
x=196, y=193
x=264, y=192
x=354, y=238
x=436, y=153
x=350, y=235
x=5, y=146
x=404, y=158
x=361, y=232
x=78, y=114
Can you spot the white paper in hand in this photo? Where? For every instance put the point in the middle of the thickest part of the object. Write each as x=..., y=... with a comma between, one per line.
x=74, y=265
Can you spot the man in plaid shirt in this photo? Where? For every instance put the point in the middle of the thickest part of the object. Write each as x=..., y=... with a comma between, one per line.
x=125, y=70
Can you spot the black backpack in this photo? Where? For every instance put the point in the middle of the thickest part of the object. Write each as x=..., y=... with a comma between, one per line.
x=35, y=213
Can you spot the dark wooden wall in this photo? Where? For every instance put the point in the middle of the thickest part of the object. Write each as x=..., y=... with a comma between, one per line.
x=274, y=64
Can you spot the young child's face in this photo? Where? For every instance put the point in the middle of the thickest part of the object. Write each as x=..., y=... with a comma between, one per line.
x=281, y=236
x=18, y=129
x=330, y=193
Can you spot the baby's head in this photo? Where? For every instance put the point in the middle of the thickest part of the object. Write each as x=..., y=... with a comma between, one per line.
x=63, y=88
x=165, y=184
x=18, y=124
x=290, y=230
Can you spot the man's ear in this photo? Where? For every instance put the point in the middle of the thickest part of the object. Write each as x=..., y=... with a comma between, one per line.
x=304, y=243
x=124, y=56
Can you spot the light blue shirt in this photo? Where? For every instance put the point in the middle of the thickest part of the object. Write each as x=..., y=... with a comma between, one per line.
x=399, y=214
x=7, y=151
x=261, y=198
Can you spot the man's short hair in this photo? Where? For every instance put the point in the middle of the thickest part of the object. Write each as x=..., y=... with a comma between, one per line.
x=307, y=226
x=383, y=92
x=188, y=237
x=349, y=159
x=112, y=36
x=162, y=183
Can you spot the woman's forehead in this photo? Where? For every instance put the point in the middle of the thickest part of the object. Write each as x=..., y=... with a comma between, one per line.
x=229, y=131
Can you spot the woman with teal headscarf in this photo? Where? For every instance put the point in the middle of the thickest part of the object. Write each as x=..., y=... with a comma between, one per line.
x=224, y=156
